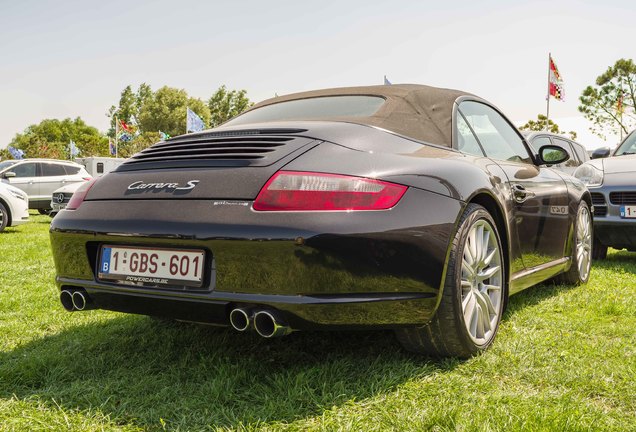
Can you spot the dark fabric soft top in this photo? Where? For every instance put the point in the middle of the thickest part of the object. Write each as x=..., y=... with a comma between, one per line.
x=417, y=111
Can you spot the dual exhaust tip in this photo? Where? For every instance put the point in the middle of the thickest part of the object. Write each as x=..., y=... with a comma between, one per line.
x=267, y=323
x=76, y=300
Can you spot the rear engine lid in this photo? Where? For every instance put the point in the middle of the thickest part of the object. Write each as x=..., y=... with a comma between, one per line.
x=231, y=165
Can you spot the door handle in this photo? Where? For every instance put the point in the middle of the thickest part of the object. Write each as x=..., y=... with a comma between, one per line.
x=520, y=193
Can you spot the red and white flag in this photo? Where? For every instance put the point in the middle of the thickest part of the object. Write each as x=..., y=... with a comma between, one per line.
x=556, y=82
x=124, y=126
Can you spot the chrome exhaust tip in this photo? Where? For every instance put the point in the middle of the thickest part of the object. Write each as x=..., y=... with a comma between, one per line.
x=81, y=301
x=240, y=319
x=66, y=298
x=268, y=325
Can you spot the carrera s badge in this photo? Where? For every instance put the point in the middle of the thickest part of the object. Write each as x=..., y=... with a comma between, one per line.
x=139, y=186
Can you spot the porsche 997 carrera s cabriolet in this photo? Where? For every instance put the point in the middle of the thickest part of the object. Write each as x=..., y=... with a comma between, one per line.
x=402, y=207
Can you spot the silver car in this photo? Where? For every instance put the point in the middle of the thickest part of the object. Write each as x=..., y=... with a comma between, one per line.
x=39, y=178
x=578, y=153
x=612, y=184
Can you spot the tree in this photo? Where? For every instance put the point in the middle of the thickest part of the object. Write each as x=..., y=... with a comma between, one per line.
x=544, y=124
x=51, y=137
x=225, y=105
x=610, y=103
x=126, y=149
x=166, y=111
x=129, y=107
x=148, y=112
x=4, y=154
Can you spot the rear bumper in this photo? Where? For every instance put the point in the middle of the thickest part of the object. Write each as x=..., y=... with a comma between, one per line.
x=301, y=312
x=328, y=269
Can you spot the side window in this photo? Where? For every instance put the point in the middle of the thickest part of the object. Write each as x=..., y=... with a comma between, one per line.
x=24, y=170
x=539, y=142
x=497, y=137
x=572, y=162
x=71, y=170
x=52, y=169
x=466, y=141
x=580, y=152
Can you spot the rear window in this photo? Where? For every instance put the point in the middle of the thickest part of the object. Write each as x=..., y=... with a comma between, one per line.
x=312, y=109
x=580, y=152
x=52, y=169
x=71, y=170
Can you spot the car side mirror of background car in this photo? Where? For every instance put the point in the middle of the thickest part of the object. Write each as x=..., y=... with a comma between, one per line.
x=552, y=155
x=599, y=153
x=9, y=174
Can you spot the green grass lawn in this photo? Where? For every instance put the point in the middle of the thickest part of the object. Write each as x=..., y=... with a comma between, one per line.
x=564, y=360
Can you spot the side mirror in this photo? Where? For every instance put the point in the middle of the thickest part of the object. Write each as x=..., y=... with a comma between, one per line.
x=8, y=174
x=552, y=155
x=599, y=153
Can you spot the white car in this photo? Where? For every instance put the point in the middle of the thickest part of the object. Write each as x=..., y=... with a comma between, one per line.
x=61, y=197
x=95, y=166
x=39, y=178
x=14, y=206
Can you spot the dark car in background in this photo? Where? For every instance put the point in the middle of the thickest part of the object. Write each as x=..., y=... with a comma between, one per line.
x=612, y=184
x=400, y=207
x=577, y=152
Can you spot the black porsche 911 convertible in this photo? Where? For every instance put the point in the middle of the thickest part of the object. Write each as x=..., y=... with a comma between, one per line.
x=402, y=207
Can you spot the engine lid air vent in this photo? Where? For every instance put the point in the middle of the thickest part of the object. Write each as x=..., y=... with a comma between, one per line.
x=218, y=149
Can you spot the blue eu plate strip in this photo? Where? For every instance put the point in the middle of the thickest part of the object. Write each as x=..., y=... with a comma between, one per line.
x=105, y=264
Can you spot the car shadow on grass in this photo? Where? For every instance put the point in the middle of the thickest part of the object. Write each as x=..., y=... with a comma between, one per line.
x=140, y=371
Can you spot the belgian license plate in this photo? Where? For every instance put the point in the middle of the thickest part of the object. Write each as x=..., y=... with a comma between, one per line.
x=628, y=212
x=151, y=266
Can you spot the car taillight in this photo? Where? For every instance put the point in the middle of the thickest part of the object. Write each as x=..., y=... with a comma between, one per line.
x=306, y=191
x=78, y=197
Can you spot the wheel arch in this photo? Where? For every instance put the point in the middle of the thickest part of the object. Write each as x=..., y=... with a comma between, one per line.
x=8, y=207
x=587, y=197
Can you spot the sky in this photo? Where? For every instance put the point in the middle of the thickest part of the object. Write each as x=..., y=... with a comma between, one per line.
x=73, y=58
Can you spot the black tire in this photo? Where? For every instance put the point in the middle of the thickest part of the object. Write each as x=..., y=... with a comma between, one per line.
x=44, y=211
x=4, y=217
x=576, y=275
x=599, y=250
x=446, y=335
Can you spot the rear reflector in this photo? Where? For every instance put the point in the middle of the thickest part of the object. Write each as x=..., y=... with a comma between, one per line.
x=308, y=191
x=78, y=197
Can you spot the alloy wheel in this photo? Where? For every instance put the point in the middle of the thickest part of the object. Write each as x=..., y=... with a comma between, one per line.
x=481, y=282
x=583, y=242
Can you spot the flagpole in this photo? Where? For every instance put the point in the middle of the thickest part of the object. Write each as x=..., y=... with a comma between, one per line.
x=116, y=124
x=547, y=111
x=620, y=112
x=186, y=119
